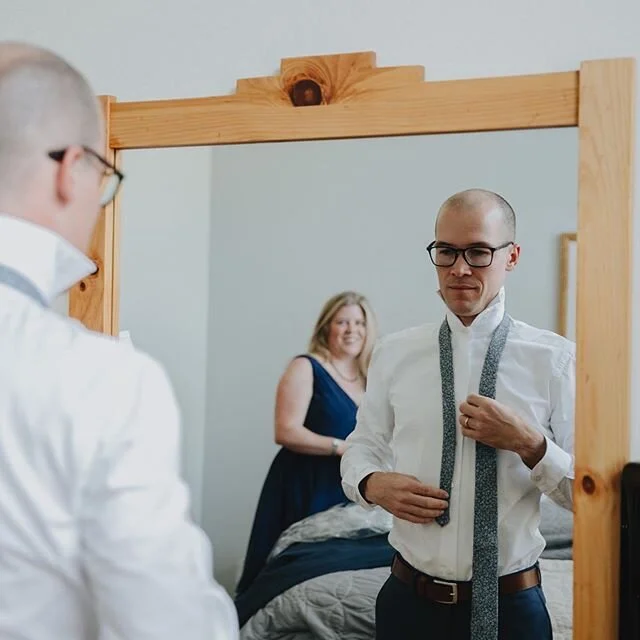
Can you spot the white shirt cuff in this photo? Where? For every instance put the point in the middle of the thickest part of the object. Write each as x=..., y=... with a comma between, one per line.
x=353, y=490
x=555, y=465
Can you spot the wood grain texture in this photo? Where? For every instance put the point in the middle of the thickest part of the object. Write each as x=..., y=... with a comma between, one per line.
x=563, y=300
x=91, y=300
x=357, y=100
x=605, y=214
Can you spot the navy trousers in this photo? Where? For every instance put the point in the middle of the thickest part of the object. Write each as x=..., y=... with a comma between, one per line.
x=403, y=615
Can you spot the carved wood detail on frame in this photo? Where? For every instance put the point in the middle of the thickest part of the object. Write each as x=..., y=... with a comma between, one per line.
x=330, y=79
x=357, y=99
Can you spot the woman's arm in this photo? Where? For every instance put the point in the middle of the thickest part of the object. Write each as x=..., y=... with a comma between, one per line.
x=292, y=402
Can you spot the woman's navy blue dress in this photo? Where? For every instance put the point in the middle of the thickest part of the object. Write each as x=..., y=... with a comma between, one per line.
x=299, y=485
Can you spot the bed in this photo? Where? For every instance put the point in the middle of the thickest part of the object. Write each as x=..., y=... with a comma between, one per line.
x=324, y=574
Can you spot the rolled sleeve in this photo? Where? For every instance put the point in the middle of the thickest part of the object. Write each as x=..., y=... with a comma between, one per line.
x=555, y=465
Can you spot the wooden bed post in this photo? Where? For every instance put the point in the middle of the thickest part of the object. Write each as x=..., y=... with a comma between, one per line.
x=94, y=300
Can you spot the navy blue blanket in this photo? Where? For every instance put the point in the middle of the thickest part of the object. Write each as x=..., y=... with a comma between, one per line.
x=306, y=560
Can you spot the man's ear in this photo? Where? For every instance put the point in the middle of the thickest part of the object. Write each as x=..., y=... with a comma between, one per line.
x=65, y=179
x=514, y=256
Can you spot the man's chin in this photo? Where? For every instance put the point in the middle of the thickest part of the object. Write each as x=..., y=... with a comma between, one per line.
x=462, y=307
x=466, y=312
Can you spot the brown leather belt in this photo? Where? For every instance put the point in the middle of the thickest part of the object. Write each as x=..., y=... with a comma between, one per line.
x=445, y=592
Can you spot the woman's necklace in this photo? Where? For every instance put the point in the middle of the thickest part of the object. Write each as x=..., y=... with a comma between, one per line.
x=351, y=380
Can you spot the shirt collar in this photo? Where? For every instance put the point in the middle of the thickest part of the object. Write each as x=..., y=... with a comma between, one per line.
x=42, y=256
x=485, y=322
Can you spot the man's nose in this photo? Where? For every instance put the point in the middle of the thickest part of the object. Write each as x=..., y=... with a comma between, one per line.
x=460, y=266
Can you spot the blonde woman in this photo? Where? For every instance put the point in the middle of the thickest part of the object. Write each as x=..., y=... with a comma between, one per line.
x=316, y=404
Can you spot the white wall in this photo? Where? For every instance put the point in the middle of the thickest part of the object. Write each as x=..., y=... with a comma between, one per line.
x=164, y=262
x=137, y=49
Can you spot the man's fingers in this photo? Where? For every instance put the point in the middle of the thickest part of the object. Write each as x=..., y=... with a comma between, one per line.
x=410, y=518
x=470, y=433
x=417, y=518
x=429, y=491
x=425, y=514
x=421, y=506
x=476, y=400
x=467, y=409
x=464, y=421
x=424, y=502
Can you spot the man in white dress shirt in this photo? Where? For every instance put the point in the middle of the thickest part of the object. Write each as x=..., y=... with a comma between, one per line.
x=95, y=537
x=423, y=387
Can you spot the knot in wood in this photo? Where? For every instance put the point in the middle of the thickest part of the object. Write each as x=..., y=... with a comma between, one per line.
x=306, y=93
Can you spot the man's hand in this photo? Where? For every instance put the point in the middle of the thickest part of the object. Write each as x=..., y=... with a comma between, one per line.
x=487, y=421
x=405, y=497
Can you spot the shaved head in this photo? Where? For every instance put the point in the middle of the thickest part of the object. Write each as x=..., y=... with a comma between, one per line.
x=475, y=246
x=45, y=104
x=481, y=200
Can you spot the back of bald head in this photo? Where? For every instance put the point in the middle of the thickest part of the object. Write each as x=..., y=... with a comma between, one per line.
x=481, y=200
x=45, y=105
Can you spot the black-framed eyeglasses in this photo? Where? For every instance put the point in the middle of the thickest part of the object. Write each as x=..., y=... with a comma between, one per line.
x=111, y=177
x=443, y=255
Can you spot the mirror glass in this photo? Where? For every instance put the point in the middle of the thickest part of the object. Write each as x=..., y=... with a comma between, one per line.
x=228, y=255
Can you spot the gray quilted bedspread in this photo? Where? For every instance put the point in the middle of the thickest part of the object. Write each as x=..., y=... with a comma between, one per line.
x=341, y=606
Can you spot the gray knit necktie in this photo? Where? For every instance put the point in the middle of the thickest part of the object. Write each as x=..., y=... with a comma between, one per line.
x=484, y=601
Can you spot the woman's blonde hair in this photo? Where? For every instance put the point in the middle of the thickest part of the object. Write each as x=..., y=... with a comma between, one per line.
x=319, y=343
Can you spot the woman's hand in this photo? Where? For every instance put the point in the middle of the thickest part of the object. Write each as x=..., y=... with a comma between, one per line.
x=342, y=447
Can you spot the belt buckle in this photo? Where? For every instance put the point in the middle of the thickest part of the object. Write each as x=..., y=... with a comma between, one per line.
x=454, y=591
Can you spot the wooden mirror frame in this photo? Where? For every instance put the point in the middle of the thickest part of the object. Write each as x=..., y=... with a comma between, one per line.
x=347, y=96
